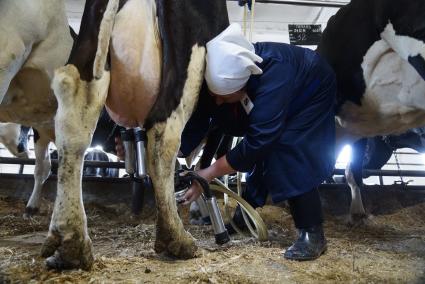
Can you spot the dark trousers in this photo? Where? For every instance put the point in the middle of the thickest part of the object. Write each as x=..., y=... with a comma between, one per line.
x=306, y=209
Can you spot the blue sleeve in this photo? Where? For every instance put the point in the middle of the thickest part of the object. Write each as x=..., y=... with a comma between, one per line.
x=195, y=130
x=267, y=118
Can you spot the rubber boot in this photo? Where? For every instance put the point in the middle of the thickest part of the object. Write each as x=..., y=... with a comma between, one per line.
x=311, y=243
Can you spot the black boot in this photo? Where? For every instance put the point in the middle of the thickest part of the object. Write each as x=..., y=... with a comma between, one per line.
x=239, y=221
x=311, y=243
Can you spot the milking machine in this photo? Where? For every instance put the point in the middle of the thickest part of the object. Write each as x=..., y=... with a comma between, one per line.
x=135, y=141
x=183, y=181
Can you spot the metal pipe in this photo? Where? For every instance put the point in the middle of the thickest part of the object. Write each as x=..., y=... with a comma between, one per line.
x=106, y=180
x=127, y=137
x=344, y=186
x=141, y=143
x=332, y=4
x=95, y=164
x=406, y=173
x=121, y=165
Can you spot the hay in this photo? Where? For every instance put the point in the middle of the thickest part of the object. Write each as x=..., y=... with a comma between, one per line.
x=388, y=248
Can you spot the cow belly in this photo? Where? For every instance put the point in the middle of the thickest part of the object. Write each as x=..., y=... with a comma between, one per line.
x=394, y=100
x=136, y=63
x=29, y=99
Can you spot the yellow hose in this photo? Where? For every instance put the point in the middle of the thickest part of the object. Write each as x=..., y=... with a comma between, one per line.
x=260, y=231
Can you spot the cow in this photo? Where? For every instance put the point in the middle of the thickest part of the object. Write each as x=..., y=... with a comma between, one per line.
x=377, y=50
x=35, y=39
x=38, y=41
x=15, y=138
x=145, y=60
x=373, y=153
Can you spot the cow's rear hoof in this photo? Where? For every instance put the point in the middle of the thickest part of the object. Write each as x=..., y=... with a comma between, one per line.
x=356, y=220
x=30, y=212
x=57, y=263
x=183, y=248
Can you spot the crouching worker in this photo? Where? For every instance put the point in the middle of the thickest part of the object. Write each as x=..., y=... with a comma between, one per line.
x=280, y=98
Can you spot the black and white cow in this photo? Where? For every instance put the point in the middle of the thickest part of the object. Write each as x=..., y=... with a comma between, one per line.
x=373, y=153
x=156, y=58
x=377, y=49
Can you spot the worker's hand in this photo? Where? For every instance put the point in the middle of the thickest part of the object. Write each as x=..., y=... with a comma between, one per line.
x=195, y=190
x=192, y=193
x=119, y=147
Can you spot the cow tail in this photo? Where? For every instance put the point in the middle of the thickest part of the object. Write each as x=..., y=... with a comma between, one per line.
x=105, y=32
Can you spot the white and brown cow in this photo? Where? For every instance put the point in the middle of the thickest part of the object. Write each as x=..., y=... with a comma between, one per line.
x=34, y=41
x=377, y=49
x=156, y=52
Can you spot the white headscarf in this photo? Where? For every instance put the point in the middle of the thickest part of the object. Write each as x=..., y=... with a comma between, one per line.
x=230, y=61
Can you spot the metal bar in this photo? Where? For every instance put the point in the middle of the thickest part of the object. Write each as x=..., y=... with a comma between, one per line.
x=54, y=178
x=405, y=164
x=407, y=153
x=332, y=4
x=344, y=186
x=94, y=164
x=121, y=165
x=386, y=173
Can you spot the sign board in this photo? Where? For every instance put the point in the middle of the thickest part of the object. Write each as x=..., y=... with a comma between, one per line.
x=305, y=34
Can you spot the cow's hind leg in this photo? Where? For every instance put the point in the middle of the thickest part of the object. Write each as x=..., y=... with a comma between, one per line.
x=41, y=172
x=163, y=144
x=354, y=176
x=357, y=211
x=79, y=104
x=13, y=54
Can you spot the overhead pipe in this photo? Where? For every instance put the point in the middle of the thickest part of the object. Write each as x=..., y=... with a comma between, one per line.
x=311, y=3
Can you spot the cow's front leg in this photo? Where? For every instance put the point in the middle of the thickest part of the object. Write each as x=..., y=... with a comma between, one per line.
x=163, y=143
x=79, y=104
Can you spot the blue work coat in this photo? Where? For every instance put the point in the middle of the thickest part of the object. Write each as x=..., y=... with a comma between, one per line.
x=289, y=135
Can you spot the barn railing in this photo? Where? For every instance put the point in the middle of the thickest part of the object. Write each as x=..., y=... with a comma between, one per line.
x=121, y=165
x=94, y=164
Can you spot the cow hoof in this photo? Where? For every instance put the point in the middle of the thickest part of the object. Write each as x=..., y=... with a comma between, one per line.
x=56, y=262
x=356, y=220
x=183, y=248
x=30, y=212
x=74, y=252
